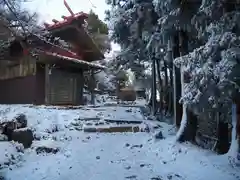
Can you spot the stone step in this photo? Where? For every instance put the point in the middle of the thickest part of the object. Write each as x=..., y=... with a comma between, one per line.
x=113, y=129
x=124, y=121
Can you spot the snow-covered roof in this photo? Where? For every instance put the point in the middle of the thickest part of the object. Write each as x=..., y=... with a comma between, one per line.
x=79, y=61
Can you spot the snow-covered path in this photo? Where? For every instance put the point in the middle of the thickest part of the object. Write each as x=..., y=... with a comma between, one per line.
x=119, y=156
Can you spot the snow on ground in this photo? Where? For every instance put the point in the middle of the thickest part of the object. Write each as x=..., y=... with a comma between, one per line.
x=119, y=113
x=43, y=118
x=99, y=156
x=10, y=153
x=107, y=100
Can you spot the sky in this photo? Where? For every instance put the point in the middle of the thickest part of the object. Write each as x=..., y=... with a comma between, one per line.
x=49, y=9
x=54, y=9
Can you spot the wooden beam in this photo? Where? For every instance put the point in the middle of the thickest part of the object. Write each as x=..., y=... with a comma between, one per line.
x=68, y=7
x=47, y=84
x=93, y=86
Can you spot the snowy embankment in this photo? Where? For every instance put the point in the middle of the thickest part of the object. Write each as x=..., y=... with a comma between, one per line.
x=74, y=155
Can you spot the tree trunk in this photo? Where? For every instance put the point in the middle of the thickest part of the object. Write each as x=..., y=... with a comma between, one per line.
x=185, y=131
x=234, y=150
x=188, y=128
x=166, y=94
x=154, y=99
x=170, y=67
x=170, y=100
x=181, y=134
x=160, y=86
x=177, y=85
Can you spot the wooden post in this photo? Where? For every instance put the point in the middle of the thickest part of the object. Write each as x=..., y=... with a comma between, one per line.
x=80, y=87
x=92, y=87
x=117, y=90
x=47, y=84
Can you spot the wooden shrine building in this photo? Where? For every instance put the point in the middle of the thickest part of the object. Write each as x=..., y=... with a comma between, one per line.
x=37, y=70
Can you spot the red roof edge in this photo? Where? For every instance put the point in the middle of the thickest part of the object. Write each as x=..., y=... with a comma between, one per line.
x=66, y=20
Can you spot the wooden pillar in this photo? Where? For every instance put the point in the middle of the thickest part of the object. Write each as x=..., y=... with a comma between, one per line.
x=47, y=84
x=117, y=91
x=92, y=87
x=80, y=86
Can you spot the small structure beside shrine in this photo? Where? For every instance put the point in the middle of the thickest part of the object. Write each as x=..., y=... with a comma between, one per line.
x=38, y=70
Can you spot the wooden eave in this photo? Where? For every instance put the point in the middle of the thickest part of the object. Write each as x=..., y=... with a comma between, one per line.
x=72, y=31
x=67, y=62
x=81, y=39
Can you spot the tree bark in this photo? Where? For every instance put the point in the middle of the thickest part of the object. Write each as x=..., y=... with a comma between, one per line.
x=170, y=100
x=234, y=150
x=154, y=99
x=187, y=128
x=177, y=85
x=165, y=98
x=160, y=86
x=170, y=67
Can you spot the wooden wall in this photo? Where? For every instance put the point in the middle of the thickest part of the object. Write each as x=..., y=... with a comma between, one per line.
x=25, y=67
x=65, y=87
x=19, y=90
x=17, y=81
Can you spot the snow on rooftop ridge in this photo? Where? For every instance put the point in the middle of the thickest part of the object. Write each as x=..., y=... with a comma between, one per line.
x=76, y=60
x=44, y=39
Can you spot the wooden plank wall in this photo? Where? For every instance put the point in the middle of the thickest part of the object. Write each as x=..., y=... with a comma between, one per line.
x=25, y=67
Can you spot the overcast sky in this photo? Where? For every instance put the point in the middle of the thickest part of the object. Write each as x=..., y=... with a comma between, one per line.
x=49, y=9
x=54, y=9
